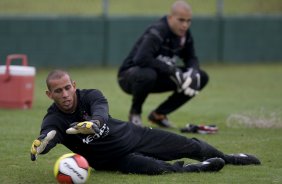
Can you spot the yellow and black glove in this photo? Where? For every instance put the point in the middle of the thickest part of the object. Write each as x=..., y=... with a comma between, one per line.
x=85, y=127
x=40, y=144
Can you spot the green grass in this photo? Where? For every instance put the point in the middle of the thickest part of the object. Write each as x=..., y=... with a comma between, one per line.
x=126, y=7
x=232, y=89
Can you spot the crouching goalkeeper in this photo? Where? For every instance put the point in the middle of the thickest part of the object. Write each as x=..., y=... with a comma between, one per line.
x=151, y=66
x=80, y=120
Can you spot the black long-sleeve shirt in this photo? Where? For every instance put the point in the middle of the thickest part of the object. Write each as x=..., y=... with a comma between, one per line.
x=158, y=47
x=116, y=138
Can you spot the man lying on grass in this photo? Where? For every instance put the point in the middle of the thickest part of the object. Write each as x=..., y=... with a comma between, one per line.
x=80, y=120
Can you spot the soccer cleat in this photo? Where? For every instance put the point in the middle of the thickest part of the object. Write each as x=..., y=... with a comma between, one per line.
x=135, y=119
x=209, y=165
x=242, y=159
x=160, y=120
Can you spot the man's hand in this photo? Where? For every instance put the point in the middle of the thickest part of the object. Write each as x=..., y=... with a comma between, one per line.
x=190, y=92
x=85, y=127
x=40, y=144
x=187, y=82
x=182, y=81
x=195, y=84
x=195, y=77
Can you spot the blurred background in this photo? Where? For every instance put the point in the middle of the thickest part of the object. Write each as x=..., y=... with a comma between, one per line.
x=69, y=33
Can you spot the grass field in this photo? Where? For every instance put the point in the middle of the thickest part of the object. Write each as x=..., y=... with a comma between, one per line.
x=129, y=7
x=233, y=89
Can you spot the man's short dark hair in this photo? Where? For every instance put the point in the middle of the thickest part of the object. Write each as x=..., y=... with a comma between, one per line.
x=56, y=74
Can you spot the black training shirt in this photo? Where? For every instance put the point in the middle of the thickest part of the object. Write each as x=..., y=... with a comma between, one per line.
x=158, y=47
x=116, y=138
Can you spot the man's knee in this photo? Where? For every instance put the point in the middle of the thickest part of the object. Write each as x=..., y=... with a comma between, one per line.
x=139, y=164
x=203, y=150
x=140, y=75
x=137, y=78
x=204, y=79
x=143, y=80
x=146, y=75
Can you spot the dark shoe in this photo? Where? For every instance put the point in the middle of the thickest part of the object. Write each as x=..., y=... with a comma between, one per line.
x=209, y=165
x=160, y=120
x=241, y=159
x=135, y=119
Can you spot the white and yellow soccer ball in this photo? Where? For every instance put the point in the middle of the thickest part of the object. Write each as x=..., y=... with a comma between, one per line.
x=71, y=168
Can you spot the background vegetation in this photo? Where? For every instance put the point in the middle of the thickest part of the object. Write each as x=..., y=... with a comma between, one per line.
x=144, y=7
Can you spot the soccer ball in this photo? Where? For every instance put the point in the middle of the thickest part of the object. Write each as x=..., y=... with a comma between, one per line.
x=71, y=168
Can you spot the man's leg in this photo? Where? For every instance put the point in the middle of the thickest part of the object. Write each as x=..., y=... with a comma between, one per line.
x=139, y=82
x=173, y=102
x=140, y=164
x=165, y=145
x=176, y=100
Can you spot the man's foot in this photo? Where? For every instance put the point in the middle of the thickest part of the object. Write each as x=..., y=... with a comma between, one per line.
x=241, y=159
x=159, y=119
x=209, y=165
x=135, y=119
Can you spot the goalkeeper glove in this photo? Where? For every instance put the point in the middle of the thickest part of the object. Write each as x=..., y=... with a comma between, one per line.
x=194, y=86
x=40, y=144
x=85, y=127
x=195, y=78
x=190, y=92
x=182, y=81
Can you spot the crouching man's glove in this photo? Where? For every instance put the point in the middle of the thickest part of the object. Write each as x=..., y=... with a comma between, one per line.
x=85, y=127
x=182, y=81
x=195, y=84
x=40, y=144
x=190, y=92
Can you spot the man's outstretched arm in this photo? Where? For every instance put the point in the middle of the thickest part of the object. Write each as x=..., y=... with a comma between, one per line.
x=42, y=144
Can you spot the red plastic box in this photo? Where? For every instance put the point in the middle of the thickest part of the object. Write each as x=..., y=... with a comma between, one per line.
x=16, y=83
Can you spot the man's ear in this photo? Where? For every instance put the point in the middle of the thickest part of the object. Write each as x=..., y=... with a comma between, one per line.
x=169, y=19
x=169, y=16
x=48, y=93
x=74, y=84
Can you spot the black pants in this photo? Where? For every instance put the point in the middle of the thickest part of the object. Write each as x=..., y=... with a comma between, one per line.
x=158, y=146
x=139, y=82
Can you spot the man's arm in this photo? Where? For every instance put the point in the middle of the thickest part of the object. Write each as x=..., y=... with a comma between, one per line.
x=188, y=54
x=44, y=143
x=148, y=51
x=99, y=115
x=50, y=135
x=98, y=106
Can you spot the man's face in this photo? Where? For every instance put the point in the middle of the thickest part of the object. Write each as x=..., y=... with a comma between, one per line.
x=63, y=92
x=180, y=21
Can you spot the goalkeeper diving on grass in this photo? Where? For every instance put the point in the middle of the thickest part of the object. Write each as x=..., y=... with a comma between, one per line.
x=79, y=119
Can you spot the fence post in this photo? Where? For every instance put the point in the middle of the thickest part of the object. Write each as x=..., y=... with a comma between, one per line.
x=220, y=19
x=105, y=18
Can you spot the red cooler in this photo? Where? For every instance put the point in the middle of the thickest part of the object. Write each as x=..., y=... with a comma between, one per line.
x=16, y=83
